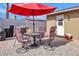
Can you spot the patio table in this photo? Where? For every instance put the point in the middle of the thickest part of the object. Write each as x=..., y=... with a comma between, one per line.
x=34, y=36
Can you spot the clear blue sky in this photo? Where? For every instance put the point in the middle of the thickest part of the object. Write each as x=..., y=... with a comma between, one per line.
x=59, y=6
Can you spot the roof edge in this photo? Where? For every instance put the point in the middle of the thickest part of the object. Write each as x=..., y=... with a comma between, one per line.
x=64, y=10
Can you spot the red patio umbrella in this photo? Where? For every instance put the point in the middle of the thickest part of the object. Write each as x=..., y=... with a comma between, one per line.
x=31, y=9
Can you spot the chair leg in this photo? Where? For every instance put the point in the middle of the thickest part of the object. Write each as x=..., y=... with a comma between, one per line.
x=49, y=43
x=14, y=43
x=51, y=40
x=22, y=49
x=49, y=46
x=40, y=40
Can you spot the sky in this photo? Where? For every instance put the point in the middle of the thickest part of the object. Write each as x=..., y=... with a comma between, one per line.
x=59, y=6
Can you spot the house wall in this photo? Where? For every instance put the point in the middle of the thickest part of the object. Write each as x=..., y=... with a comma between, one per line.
x=71, y=23
x=50, y=22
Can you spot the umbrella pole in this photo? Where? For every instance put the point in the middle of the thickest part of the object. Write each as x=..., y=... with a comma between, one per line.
x=34, y=37
x=33, y=25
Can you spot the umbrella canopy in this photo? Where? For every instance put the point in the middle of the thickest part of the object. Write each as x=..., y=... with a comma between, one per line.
x=31, y=9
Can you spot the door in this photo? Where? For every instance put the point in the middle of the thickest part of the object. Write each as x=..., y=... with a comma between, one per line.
x=60, y=25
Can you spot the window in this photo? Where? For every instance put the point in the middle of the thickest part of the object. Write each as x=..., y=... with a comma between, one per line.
x=60, y=22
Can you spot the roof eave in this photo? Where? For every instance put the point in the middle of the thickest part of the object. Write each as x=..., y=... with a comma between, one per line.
x=62, y=11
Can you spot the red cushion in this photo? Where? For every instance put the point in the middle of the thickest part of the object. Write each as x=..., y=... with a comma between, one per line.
x=68, y=37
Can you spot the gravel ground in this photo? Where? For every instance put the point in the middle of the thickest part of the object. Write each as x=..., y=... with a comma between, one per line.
x=61, y=48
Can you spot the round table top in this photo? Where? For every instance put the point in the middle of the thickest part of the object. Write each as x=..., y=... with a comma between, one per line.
x=32, y=34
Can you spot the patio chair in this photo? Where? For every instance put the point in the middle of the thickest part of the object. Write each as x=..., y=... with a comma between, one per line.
x=23, y=40
x=49, y=36
x=41, y=31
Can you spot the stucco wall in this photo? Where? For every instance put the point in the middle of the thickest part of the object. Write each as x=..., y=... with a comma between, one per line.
x=50, y=22
x=71, y=23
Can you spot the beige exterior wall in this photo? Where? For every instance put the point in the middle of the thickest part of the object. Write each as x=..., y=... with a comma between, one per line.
x=71, y=25
x=51, y=22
